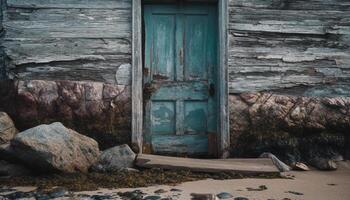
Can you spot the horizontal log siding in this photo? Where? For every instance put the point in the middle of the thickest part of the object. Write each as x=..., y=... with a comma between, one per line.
x=276, y=44
x=2, y=59
x=67, y=39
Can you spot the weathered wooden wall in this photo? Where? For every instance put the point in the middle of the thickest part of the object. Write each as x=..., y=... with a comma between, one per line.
x=2, y=61
x=285, y=43
x=68, y=39
x=274, y=44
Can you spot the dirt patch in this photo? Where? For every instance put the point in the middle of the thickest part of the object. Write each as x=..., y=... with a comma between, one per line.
x=94, y=181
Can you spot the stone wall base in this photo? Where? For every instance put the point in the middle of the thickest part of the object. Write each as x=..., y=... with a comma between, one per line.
x=292, y=127
x=101, y=111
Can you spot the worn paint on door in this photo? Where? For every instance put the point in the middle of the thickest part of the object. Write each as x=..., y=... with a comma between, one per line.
x=180, y=78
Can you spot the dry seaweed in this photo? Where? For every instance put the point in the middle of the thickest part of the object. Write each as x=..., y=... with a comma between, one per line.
x=122, y=179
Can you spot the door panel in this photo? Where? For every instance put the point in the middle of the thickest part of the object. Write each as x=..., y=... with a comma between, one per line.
x=179, y=77
x=195, y=46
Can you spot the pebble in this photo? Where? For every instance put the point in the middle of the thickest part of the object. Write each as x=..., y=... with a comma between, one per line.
x=152, y=198
x=296, y=193
x=241, y=198
x=224, y=195
x=160, y=191
x=261, y=188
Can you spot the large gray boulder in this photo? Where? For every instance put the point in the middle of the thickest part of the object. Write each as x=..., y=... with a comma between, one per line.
x=55, y=148
x=7, y=128
x=115, y=159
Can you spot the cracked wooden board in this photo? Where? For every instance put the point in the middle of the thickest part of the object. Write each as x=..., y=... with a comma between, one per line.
x=242, y=166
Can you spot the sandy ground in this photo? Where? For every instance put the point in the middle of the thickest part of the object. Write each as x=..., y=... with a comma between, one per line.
x=314, y=185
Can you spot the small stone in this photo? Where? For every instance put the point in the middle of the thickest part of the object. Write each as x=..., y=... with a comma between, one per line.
x=136, y=194
x=197, y=196
x=224, y=195
x=114, y=159
x=260, y=188
x=295, y=193
x=152, y=198
x=160, y=191
x=58, y=192
x=101, y=197
x=323, y=164
x=241, y=198
x=300, y=167
x=175, y=190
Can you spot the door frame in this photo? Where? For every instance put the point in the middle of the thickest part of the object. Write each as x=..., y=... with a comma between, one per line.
x=222, y=79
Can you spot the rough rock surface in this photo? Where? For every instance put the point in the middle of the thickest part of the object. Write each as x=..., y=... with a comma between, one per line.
x=323, y=164
x=55, y=148
x=291, y=127
x=101, y=111
x=7, y=128
x=114, y=159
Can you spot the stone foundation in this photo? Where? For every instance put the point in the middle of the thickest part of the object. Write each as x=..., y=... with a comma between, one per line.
x=101, y=111
x=294, y=128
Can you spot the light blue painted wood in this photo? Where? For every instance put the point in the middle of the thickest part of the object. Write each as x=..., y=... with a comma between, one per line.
x=180, y=144
x=180, y=72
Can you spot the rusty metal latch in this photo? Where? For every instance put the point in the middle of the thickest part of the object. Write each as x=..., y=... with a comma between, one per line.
x=148, y=90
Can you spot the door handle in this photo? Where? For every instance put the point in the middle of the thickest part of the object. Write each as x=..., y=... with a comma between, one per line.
x=211, y=89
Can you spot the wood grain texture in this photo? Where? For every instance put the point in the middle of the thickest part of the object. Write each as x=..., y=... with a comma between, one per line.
x=67, y=40
x=137, y=84
x=242, y=166
x=276, y=44
x=2, y=54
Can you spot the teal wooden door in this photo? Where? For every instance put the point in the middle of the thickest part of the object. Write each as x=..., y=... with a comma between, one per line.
x=179, y=78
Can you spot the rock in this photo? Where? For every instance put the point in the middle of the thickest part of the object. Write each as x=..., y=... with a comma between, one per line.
x=260, y=188
x=279, y=164
x=323, y=164
x=300, y=167
x=224, y=195
x=136, y=194
x=7, y=128
x=114, y=159
x=160, y=191
x=295, y=193
x=175, y=190
x=10, y=170
x=55, y=148
x=152, y=197
x=197, y=196
x=241, y=198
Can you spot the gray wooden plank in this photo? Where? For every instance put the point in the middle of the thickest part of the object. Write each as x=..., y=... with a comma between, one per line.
x=137, y=85
x=249, y=166
x=102, y=4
